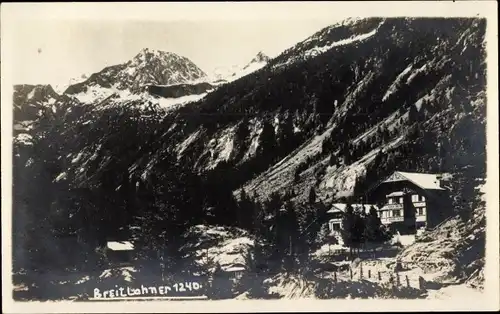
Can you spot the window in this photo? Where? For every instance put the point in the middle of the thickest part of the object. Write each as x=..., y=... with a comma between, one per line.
x=396, y=213
x=401, y=200
x=422, y=198
x=414, y=198
x=334, y=227
x=336, y=215
x=390, y=200
x=421, y=211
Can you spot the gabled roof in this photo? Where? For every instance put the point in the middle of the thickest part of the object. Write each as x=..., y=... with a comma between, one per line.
x=234, y=267
x=340, y=207
x=397, y=193
x=425, y=181
x=120, y=245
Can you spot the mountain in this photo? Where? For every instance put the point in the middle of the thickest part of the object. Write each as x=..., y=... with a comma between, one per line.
x=259, y=58
x=30, y=100
x=229, y=74
x=61, y=87
x=331, y=120
x=335, y=113
x=148, y=67
x=350, y=32
x=180, y=90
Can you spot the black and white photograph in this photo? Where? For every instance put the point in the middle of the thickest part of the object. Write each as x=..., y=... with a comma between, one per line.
x=262, y=152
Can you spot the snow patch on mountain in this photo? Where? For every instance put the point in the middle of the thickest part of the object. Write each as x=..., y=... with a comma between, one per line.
x=31, y=94
x=255, y=131
x=61, y=87
x=303, y=50
x=357, y=89
x=319, y=50
x=234, y=72
x=148, y=67
x=390, y=123
x=94, y=94
x=174, y=103
x=250, y=68
x=443, y=84
x=221, y=147
x=188, y=141
x=393, y=88
x=61, y=176
x=224, y=72
x=97, y=94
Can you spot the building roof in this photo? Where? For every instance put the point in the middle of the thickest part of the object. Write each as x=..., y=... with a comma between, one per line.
x=340, y=207
x=234, y=267
x=425, y=181
x=120, y=246
x=397, y=193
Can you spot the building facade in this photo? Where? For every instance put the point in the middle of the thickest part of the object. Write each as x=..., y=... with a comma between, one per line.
x=336, y=213
x=410, y=201
x=405, y=202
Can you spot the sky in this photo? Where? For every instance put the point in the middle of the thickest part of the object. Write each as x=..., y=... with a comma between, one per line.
x=51, y=43
x=53, y=52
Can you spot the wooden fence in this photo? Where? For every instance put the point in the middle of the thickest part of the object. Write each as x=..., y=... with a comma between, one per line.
x=395, y=277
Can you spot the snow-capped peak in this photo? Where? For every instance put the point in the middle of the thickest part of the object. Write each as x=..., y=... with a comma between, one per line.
x=148, y=55
x=234, y=72
x=62, y=86
x=260, y=57
x=148, y=67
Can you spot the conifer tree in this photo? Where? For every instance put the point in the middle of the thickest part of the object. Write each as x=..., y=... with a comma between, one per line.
x=291, y=234
x=348, y=227
x=412, y=114
x=312, y=196
x=333, y=160
x=267, y=139
x=359, y=226
x=373, y=227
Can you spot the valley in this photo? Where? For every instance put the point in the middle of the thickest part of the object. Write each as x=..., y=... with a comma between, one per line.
x=230, y=177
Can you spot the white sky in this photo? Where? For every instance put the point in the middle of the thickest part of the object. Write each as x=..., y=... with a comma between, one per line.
x=62, y=50
x=82, y=38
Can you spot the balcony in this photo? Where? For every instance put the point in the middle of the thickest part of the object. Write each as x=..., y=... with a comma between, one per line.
x=335, y=220
x=388, y=220
x=421, y=218
x=392, y=206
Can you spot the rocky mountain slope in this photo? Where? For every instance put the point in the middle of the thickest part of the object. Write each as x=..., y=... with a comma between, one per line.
x=61, y=87
x=330, y=120
x=28, y=100
x=336, y=112
x=180, y=90
x=148, y=67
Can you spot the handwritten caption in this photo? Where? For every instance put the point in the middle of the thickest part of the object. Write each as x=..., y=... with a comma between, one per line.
x=147, y=291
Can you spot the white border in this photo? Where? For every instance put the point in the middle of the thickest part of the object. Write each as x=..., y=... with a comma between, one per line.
x=12, y=13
